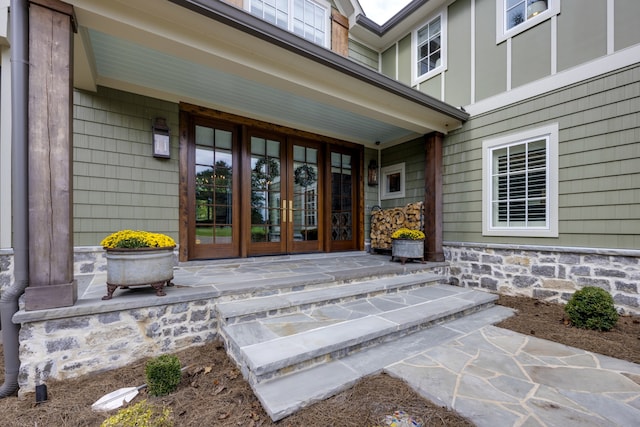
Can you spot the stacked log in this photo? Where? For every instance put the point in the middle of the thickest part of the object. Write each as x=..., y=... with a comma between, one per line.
x=385, y=221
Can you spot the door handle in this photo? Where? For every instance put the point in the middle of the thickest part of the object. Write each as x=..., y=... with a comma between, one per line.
x=284, y=211
x=290, y=210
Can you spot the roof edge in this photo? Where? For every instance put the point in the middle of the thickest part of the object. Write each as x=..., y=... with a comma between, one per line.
x=243, y=21
x=381, y=30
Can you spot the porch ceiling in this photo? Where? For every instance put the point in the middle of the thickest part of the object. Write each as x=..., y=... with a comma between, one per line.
x=169, y=52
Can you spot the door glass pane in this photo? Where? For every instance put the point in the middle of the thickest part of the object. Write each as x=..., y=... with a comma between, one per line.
x=265, y=190
x=213, y=179
x=341, y=197
x=305, y=193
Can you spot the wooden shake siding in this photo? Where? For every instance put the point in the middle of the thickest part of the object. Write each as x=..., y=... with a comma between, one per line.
x=117, y=183
x=412, y=154
x=599, y=163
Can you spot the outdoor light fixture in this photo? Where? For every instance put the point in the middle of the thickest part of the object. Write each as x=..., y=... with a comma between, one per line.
x=373, y=173
x=161, y=141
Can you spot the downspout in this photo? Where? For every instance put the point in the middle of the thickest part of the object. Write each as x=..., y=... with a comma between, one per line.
x=19, y=38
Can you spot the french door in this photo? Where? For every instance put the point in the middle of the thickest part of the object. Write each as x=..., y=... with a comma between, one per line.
x=249, y=190
x=213, y=191
x=284, y=195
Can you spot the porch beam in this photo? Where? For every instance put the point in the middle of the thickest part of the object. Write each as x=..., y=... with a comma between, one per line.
x=51, y=283
x=433, y=197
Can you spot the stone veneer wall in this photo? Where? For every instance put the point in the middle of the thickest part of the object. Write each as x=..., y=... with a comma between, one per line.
x=74, y=346
x=546, y=273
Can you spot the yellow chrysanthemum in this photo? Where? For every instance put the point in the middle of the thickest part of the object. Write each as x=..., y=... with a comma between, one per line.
x=405, y=233
x=137, y=239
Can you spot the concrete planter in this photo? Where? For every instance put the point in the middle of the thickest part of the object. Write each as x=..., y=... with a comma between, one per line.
x=404, y=249
x=138, y=267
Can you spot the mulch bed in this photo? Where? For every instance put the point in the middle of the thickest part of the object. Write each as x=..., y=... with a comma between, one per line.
x=548, y=321
x=213, y=393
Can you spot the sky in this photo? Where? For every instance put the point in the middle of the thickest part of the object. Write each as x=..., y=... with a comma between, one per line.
x=380, y=11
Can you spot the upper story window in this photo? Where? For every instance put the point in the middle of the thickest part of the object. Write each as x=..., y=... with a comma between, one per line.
x=518, y=11
x=515, y=16
x=520, y=188
x=429, y=51
x=306, y=18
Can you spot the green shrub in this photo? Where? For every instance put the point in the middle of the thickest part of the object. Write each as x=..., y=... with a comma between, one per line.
x=141, y=414
x=163, y=374
x=592, y=308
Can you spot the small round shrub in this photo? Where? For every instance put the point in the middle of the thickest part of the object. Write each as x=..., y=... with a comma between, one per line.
x=142, y=414
x=163, y=374
x=592, y=308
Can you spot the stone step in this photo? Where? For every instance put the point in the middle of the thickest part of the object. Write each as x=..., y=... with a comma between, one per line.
x=284, y=279
x=282, y=396
x=248, y=309
x=269, y=347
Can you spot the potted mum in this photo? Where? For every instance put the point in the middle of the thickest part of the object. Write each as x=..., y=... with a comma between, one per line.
x=407, y=244
x=136, y=258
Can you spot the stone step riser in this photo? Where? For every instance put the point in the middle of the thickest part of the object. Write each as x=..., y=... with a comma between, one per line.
x=284, y=368
x=230, y=320
x=261, y=290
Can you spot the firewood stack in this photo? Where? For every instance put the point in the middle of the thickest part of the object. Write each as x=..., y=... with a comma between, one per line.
x=385, y=221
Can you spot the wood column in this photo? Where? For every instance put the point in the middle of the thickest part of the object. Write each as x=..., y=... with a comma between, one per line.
x=433, y=197
x=51, y=282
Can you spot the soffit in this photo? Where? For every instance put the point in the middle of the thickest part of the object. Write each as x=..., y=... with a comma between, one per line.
x=166, y=51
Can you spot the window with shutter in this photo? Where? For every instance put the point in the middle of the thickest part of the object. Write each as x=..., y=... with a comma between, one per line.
x=520, y=184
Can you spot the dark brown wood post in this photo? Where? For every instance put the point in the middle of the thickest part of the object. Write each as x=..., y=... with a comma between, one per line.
x=433, y=197
x=51, y=282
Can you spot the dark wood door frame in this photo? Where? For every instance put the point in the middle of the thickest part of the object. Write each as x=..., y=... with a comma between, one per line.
x=245, y=127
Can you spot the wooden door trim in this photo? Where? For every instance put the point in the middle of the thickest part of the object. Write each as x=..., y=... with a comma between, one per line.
x=260, y=248
x=183, y=187
x=187, y=194
x=307, y=246
x=245, y=127
x=284, y=131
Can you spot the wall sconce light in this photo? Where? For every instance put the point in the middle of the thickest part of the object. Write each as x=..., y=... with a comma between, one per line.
x=373, y=173
x=161, y=141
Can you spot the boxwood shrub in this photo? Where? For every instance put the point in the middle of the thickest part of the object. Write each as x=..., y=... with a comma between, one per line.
x=592, y=308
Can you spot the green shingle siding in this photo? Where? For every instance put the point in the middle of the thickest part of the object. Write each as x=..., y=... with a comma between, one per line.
x=363, y=55
x=599, y=163
x=117, y=182
x=413, y=156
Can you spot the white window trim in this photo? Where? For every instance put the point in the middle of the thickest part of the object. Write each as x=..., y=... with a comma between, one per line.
x=384, y=174
x=502, y=34
x=415, y=78
x=327, y=19
x=551, y=229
